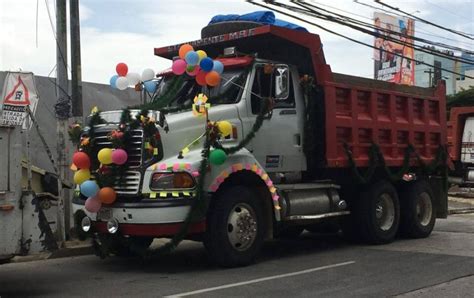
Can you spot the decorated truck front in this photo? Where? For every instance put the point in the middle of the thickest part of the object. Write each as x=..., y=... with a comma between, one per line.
x=269, y=145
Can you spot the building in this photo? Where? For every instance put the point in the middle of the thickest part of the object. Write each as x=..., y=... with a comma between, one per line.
x=466, y=69
x=427, y=75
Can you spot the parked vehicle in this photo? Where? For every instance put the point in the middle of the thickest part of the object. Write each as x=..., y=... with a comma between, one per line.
x=334, y=149
x=461, y=144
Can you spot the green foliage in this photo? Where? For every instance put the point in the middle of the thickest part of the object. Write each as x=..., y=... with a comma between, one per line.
x=464, y=98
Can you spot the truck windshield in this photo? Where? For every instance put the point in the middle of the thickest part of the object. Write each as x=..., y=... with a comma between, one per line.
x=177, y=92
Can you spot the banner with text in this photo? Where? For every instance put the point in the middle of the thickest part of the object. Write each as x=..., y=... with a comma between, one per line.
x=393, y=45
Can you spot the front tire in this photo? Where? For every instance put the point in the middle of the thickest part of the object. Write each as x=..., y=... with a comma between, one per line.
x=235, y=227
x=378, y=213
x=418, y=210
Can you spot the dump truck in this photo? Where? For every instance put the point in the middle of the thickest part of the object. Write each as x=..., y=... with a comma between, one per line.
x=333, y=152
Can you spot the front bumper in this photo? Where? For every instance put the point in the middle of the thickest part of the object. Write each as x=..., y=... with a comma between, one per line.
x=151, y=218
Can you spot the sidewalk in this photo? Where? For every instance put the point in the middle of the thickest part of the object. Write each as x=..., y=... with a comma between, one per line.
x=460, y=200
x=71, y=248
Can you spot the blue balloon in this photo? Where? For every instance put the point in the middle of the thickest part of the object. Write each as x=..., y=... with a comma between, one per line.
x=192, y=58
x=150, y=86
x=113, y=81
x=218, y=66
x=89, y=188
x=206, y=64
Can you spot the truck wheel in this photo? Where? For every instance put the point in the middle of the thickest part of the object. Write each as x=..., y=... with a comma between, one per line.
x=418, y=211
x=378, y=213
x=235, y=227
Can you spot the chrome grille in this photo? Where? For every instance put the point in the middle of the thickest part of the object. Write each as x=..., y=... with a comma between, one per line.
x=134, y=152
x=130, y=182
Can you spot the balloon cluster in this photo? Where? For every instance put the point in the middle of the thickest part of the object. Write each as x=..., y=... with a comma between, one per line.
x=96, y=196
x=123, y=79
x=198, y=65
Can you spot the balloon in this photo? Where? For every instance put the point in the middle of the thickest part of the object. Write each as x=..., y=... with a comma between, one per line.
x=121, y=69
x=148, y=74
x=192, y=70
x=89, y=188
x=113, y=81
x=150, y=86
x=81, y=160
x=201, y=54
x=93, y=204
x=81, y=176
x=213, y=78
x=206, y=64
x=184, y=49
x=105, y=156
x=201, y=78
x=225, y=127
x=217, y=157
x=218, y=66
x=121, y=83
x=192, y=58
x=133, y=78
x=107, y=195
x=179, y=67
x=119, y=156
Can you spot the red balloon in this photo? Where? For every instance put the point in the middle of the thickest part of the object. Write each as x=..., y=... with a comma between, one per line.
x=201, y=78
x=122, y=69
x=81, y=160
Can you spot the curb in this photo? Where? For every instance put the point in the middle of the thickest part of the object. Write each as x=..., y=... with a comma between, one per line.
x=461, y=211
x=71, y=249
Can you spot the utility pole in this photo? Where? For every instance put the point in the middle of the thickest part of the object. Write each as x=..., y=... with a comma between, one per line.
x=76, y=72
x=430, y=72
x=62, y=111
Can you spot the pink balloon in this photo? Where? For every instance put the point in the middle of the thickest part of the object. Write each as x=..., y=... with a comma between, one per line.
x=179, y=67
x=93, y=204
x=119, y=156
x=194, y=72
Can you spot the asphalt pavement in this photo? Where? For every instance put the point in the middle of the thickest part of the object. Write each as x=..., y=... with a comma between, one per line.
x=312, y=265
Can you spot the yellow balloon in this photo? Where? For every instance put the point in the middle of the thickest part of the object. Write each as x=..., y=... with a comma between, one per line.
x=225, y=127
x=81, y=176
x=201, y=54
x=105, y=156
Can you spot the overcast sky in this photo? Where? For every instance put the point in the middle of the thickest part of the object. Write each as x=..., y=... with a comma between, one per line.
x=128, y=31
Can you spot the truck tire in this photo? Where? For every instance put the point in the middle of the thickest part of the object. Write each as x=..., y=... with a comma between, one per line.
x=418, y=210
x=235, y=227
x=377, y=213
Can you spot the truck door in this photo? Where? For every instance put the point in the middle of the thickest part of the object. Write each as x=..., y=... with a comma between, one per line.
x=278, y=143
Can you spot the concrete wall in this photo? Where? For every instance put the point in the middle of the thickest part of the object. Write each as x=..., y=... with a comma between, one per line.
x=102, y=96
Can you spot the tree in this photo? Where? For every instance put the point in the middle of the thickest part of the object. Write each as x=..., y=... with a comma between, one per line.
x=464, y=98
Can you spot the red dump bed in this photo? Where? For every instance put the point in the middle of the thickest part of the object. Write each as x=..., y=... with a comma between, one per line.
x=358, y=111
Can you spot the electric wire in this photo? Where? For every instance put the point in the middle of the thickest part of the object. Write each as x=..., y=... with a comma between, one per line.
x=349, y=38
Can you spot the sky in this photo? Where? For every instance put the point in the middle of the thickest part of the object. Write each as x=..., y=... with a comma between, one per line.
x=128, y=31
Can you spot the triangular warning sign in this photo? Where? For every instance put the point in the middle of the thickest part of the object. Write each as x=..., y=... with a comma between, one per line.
x=19, y=95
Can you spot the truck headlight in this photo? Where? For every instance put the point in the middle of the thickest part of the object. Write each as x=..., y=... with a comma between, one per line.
x=178, y=180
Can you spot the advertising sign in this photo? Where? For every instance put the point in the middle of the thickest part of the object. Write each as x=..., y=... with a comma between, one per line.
x=19, y=92
x=394, y=39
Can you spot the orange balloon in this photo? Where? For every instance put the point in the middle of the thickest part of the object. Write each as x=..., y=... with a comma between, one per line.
x=184, y=49
x=213, y=78
x=107, y=195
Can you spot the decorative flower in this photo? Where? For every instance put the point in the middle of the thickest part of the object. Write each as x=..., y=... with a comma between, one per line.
x=200, y=105
x=115, y=134
x=85, y=141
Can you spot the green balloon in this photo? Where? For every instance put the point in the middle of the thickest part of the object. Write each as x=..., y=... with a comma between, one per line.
x=217, y=156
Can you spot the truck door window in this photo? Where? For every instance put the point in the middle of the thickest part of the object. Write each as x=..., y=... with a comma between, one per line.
x=272, y=82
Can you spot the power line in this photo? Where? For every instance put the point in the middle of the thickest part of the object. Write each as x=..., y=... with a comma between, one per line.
x=345, y=21
x=460, y=33
x=419, y=30
x=349, y=38
x=447, y=10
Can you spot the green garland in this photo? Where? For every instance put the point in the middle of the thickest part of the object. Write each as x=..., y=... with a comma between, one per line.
x=377, y=161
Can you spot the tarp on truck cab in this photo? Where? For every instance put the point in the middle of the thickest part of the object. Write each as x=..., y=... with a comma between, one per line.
x=262, y=17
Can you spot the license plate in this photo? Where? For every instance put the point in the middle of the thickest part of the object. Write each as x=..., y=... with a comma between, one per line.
x=104, y=214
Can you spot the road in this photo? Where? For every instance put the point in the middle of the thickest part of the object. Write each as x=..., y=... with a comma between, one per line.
x=313, y=265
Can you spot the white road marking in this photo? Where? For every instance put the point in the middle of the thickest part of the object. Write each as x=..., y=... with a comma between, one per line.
x=253, y=281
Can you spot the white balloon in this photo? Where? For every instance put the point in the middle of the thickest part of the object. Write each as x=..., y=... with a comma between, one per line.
x=148, y=74
x=133, y=78
x=121, y=83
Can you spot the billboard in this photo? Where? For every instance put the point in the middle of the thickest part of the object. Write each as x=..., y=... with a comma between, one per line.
x=394, y=38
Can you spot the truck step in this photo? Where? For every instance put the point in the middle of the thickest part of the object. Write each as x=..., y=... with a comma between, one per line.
x=316, y=216
x=306, y=186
